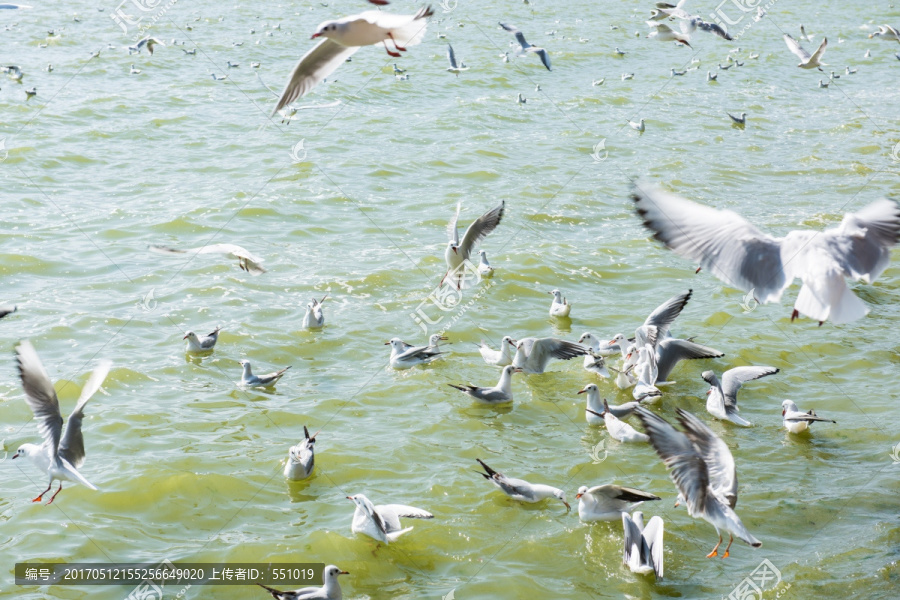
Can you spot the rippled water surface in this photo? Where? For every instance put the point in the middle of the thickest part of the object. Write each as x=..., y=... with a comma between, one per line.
x=102, y=163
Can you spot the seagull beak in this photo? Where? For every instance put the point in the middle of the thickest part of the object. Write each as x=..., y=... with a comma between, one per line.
x=677, y=504
x=782, y=414
x=568, y=508
x=185, y=337
x=454, y=250
x=518, y=370
x=611, y=342
x=581, y=392
x=708, y=391
x=512, y=343
x=444, y=338
x=349, y=498
x=15, y=456
x=387, y=343
x=578, y=496
x=315, y=35
x=343, y=572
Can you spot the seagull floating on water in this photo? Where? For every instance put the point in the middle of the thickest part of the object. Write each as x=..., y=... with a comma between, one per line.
x=618, y=429
x=608, y=502
x=196, y=343
x=501, y=357
x=521, y=490
x=643, y=553
x=454, y=67
x=301, y=458
x=499, y=394
x=559, y=307
x=484, y=267
x=314, y=318
x=721, y=397
x=382, y=522
x=595, y=407
x=331, y=590
x=796, y=420
x=61, y=454
x=639, y=126
x=739, y=121
x=405, y=356
x=248, y=379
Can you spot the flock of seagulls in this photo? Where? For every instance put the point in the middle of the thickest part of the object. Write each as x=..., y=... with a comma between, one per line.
x=722, y=242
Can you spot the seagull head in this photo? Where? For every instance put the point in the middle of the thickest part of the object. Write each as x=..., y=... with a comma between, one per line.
x=327, y=29
x=581, y=491
x=788, y=405
x=589, y=388
x=453, y=246
x=619, y=339
x=588, y=338
x=331, y=572
x=364, y=503
x=436, y=338
x=395, y=344
x=27, y=450
x=561, y=496
x=510, y=341
x=190, y=335
x=557, y=295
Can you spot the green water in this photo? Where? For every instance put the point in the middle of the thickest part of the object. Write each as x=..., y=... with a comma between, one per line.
x=102, y=163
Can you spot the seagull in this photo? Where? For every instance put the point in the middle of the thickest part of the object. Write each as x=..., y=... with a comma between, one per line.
x=803, y=35
x=559, y=307
x=721, y=399
x=500, y=357
x=850, y=71
x=314, y=318
x=656, y=325
x=886, y=32
x=619, y=52
x=807, y=61
x=201, y=344
x=330, y=591
x=191, y=52
x=219, y=77
x=534, y=354
x=31, y=93
x=647, y=373
x=598, y=347
x=61, y=455
x=13, y=72
x=753, y=56
x=714, y=28
x=526, y=47
x=739, y=121
x=703, y=470
x=711, y=77
x=643, y=553
x=458, y=252
x=795, y=420
x=595, y=363
x=499, y=394
x=455, y=68
x=232, y=65
x=637, y=126
x=664, y=33
x=746, y=258
x=520, y=99
x=618, y=429
x=382, y=522
x=822, y=84
x=594, y=406
x=677, y=73
x=301, y=458
x=521, y=490
x=724, y=68
x=254, y=65
x=627, y=76
x=597, y=82
x=135, y=71
x=868, y=53
x=484, y=267
x=608, y=502
x=398, y=70
x=404, y=356
x=149, y=42
x=345, y=36
x=6, y=310
x=434, y=341
x=248, y=379
x=833, y=76
x=246, y=261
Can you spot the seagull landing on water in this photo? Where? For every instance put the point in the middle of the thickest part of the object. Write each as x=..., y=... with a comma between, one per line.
x=721, y=397
x=739, y=121
x=206, y=343
x=382, y=522
x=521, y=490
x=702, y=468
x=331, y=590
x=608, y=502
x=454, y=67
x=345, y=36
x=807, y=60
x=301, y=458
x=796, y=420
x=249, y=380
x=61, y=454
x=246, y=261
x=314, y=317
x=559, y=306
x=458, y=252
x=744, y=257
x=525, y=47
x=643, y=553
x=499, y=394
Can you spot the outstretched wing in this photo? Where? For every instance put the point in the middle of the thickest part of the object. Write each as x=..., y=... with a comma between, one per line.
x=317, y=64
x=40, y=396
x=71, y=447
x=795, y=47
x=479, y=229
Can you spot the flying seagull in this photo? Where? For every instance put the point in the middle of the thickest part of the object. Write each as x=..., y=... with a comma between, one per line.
x=246, y=261
x=807, y=60
x=526, y=47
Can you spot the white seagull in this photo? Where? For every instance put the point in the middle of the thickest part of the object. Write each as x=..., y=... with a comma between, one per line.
x=501, y=357
x=314, y=318
x=60, y=455
x=534, y=354
x=594, y=343
x=149, y=42
x=744, y=257
x=521, y=490
x=458, y=252
x=594, y=406
x=559, y=307
x=246, y=261
x=454, y=67
x=639, y=126
x=807, y=60
x=796, y=420
x=404, y=356
x=526, y=47
x=301, y=458
x=196, y=343
x=248, y=379
x=721, y=399
x=499, y=394
x=886, y=32
x=703, y=470
x=345, y=36
x=484, y=267
x=618, y=429
x=382, y=522
x=608, y=502
x=643, y=553
x=331, y=590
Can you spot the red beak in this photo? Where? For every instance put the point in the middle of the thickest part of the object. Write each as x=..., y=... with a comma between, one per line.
x=611, y=342
x=454, y=251
x=581, y=392
x=782, y=414
x=315, y=35
x=185, y=337
x=708, y=392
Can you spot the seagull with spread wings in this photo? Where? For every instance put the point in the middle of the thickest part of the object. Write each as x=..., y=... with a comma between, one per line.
x=458, y=252
x=807, y=60
x=246, y=261
x=525, y=47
